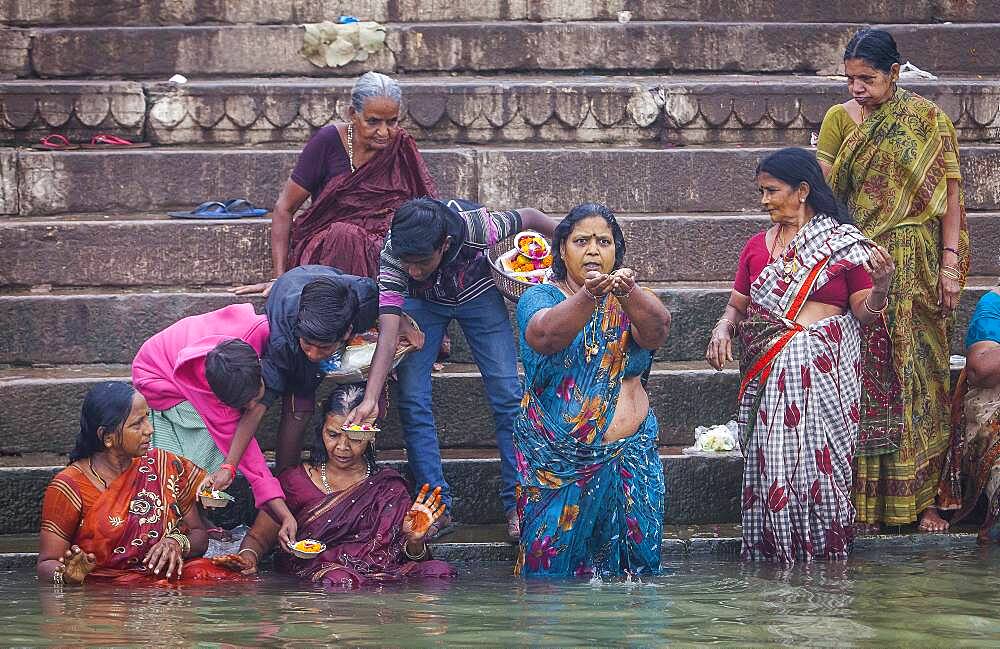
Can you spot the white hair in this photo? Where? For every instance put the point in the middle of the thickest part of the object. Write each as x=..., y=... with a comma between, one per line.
x=372, y=85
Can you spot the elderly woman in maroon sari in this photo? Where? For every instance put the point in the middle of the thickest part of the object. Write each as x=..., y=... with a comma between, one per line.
x=364, y=515
x=357, y=174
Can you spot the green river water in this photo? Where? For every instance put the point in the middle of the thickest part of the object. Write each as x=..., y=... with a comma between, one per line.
x=894, y=597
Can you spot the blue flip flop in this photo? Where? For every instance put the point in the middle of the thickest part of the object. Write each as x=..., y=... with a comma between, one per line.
x=212, y=210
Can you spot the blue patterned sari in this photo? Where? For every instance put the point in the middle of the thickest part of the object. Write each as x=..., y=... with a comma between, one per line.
x=585, y=506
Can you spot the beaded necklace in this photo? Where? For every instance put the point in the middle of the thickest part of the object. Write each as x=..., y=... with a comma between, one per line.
x=326, y=484
x=350, y=145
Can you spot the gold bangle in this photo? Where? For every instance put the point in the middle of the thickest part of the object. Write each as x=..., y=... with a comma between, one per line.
x=423, y=553
x=951, y=274
x=255, y=555
x=872, y=311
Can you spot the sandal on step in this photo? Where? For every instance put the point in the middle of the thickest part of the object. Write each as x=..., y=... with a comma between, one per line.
x=105, y=141
x=212, y=210
x=55, y=142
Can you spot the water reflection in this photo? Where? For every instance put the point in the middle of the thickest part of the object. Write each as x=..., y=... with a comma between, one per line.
x=899, y=598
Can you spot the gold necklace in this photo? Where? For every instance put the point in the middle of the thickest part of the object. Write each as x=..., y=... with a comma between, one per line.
x=326, y=484
x=591, y=344
x=350, y=145
x=96, y=474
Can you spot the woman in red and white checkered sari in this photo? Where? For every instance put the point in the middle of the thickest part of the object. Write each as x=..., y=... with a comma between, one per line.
x=805, y=290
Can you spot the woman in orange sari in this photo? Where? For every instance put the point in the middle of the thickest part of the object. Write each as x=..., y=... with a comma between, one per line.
x=123, y=512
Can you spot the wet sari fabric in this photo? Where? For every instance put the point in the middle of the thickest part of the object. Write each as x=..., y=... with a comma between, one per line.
x=800, y=402
x=121, y=523
x=585, y=506
x=361, y=527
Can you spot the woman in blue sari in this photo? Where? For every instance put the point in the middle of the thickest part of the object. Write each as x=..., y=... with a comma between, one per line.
x=590, y=493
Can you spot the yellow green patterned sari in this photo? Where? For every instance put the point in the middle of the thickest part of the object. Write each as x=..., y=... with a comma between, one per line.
x=893, y=171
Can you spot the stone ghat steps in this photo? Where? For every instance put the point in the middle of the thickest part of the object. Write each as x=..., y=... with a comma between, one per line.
x=40, y=406
x=699, y=490
x=194, y=12
x=627, y=179
x=68, y=327
x=131, y=251
x=702, y=109
x=485, y=46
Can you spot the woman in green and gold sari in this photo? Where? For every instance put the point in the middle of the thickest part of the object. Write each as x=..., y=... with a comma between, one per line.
x=892, y=156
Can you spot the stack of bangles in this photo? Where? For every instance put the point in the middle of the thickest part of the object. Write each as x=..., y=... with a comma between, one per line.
x=951, y=273
x=423, y=553
x=182, y=540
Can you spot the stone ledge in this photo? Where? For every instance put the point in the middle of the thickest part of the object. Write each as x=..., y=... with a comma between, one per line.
x=192, y=12
x=41, y=406
x=118, y=252
x=273, y=50
x=557, y=109
x=110, y=328
x=475, y=484
x=614, y=110
x=644, y=180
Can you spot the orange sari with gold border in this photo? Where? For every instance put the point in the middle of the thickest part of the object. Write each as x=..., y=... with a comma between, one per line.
x=119, y=525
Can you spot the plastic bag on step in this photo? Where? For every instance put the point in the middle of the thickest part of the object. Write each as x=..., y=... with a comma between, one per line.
x=720, y=439
x=910, y=71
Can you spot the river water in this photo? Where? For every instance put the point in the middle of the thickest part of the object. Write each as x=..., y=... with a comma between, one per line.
x=893, y=597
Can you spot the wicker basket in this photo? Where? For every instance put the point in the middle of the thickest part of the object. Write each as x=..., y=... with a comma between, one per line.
x=511, y=288
x=360, y=374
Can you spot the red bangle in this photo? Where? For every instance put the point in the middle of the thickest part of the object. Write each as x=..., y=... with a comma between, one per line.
x=230, y=468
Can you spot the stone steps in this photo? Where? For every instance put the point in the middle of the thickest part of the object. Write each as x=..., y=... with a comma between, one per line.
x=705, y=109
x=699, y=490
x=628, y=179
x=156, y=251
x=40, y=406
x=485, y=46
x=63, y=327
x=194, y=12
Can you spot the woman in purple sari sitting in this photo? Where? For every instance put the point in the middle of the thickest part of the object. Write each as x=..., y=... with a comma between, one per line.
x=364, y=514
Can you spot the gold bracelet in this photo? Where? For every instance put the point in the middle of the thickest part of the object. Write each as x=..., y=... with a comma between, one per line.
x=951, y=274
x=872, y=311
x=420, y=556
x=251, y=550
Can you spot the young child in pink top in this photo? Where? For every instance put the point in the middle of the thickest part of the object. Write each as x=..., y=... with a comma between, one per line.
x=202, y=379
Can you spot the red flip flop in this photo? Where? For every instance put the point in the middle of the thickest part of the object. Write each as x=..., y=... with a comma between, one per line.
x=55, y=142
x=105, y=141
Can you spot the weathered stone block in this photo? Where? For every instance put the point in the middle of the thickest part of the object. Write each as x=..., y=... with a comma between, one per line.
x=9, y=204
x=14, y=46
x=159, y=52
